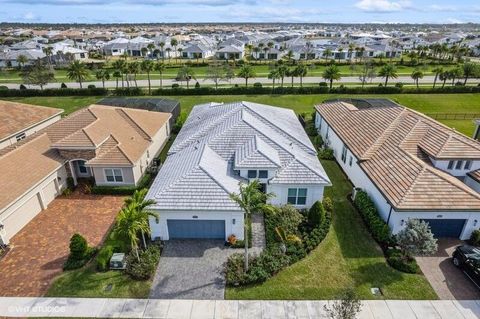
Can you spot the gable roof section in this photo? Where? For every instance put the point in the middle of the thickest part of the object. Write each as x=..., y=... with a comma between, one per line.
x=215, y=138
x=396, y=141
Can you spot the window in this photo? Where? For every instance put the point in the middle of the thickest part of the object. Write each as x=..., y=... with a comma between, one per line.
x=450, y=164
x=459, y=165
x=262, y=174
x=81, y=167
x=350, y=161
x=297, y=196
x=114, y=175
x=468, y=164
x=252, y=174
x=20, y=137
x=344, y=153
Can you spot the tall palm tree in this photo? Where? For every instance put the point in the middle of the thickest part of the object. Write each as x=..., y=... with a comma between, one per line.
x=162, y=45
x=274, y=75
x=77, y=71
x=102, y=75
x=150, y=48
x=416, y=75
x=256, y=50
x=134, y=68
x=168, y=50
x=22, y=60
x=252, y=201
x=119, y=65
x=156, y=53
x=327, y=53
x=282, y=72
x=186, y=73
x=331, y=73
x=289, y=56
x=138, y=202
x=148, y=66
x=469, y=69
x=174, y=44
x=388, y=71
x=48, y=52
x=301, y=71
x=117, y=74
x=246, y=72
x=160, y=68
x=144, y=51
x=437, y=71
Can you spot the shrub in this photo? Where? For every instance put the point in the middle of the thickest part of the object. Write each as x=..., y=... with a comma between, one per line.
x=316, y=214
x=323, y=84
x=103, y=258
x=287, y=217
x=311, y=129
x=257, y=85
x=328, y=204
x=399, y=85
x=133, y=91
x=3, y=87
x=197, y=85
x=72, y=263
x=78, y=246
x=122, y=190
x=53, y=92
x=91, y=86
x=70, y=183
x=313, y=238
x=175, y=86
x=375, y=224
x=400, y=263
x=144, y=268
x=326, y=154
x=318, y=141
x=63, y=86
x=22, y=87
x=475, y=238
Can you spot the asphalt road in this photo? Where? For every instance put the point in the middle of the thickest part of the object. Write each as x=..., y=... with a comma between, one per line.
x=239, y=81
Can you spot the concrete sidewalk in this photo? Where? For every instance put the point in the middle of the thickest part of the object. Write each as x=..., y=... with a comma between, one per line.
x=193, y=309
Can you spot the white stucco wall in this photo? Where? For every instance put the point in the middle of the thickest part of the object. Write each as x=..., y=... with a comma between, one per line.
x=160, y=229
x=9, y=140
x=21, y=211
x=443, y=165
x=314, y=193
x=100, y=179
x=472, y=183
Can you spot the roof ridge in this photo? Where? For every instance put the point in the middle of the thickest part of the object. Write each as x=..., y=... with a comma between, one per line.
x=121, y=150
x=132, y=121
x=88, y=136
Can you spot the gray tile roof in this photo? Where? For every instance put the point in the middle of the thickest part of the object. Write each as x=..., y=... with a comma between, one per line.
x=199, y=171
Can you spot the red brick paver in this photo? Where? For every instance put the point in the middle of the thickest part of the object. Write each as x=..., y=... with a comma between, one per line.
x=40, y=248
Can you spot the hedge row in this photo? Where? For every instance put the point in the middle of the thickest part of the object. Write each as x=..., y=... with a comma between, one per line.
x=241, y=90
x=123, y=190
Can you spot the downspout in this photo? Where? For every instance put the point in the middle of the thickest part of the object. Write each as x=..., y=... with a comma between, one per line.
x=389, y=215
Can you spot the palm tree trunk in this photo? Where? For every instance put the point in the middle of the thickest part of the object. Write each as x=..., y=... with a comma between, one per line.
x=331, y=83
x=136, y=253
x=245, y=240
x=161, y=80
x=123, y=86
x=103, y=83
x=116, y=86
x=80, y=81
x=435, y=80
x=292, y=81
x=144, y=241
x=386, y=80
x=246, y=82
x=135, y=80
x=149, y=86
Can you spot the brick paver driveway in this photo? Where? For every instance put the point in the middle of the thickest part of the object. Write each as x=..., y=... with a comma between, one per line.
x=448, y=281
x=40, y=248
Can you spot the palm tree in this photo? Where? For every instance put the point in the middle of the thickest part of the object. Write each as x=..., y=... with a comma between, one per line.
x=292, y=73
x=117, y=74
x=150, y=48
x=77, y=71
x=134, y=68
x=148, y=66
x=327, y=53
x=282, y=72
x=156, y=53
x=102, y=75
x=274, y=75
x=174, y=44
x=168, y=50
x=270, y=45
x=251, y=200
x=289, y=56
x=160, y=68
x=331, y=73
x=22, y=60
x=256, y=50
x=388, y=71
x=186, y=73
x=162, y=45
x=437, y=71
x=144, y=51
x=301, y=71
x=138, y=202
x=469, y=69
x=416, y=75
x=246, y=72
x=444, y=76
x=119, y=66
x=48, y=52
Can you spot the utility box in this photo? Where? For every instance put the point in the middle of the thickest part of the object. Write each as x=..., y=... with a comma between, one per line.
x=118, y=261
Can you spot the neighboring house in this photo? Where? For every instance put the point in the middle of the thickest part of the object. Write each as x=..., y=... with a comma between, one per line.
x=221, y=145
x=18, y=121
x=9, y=59
x=197, y=51
x=230, y=52
x=409, y=164
x=113, y=146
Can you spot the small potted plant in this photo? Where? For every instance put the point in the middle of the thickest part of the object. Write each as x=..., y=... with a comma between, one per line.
x=232, y=240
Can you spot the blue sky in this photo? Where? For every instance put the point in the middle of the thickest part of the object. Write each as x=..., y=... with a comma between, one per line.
x=341, y=11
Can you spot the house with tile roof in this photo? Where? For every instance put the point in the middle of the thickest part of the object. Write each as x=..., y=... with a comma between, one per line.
x=410, y=165
x=220, y=146
x=111, y=145
x=17, y=121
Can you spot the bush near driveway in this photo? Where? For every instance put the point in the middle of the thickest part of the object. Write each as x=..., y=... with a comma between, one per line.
x=80, y=253
x=144, y=268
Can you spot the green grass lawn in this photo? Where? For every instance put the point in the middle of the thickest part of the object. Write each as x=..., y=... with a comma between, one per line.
x=348, y=257
x=425, y=103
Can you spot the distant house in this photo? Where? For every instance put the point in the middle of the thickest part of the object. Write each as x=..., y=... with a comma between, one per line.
x=197, y=51
x=230, y=52
x=9, y=59
x=113, y=146
x=221, y=145
x=409, y=164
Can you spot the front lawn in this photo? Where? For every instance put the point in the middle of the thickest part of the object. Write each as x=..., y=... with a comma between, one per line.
x=348, y=257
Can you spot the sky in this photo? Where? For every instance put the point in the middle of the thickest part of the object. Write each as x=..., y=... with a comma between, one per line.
x=317, y=11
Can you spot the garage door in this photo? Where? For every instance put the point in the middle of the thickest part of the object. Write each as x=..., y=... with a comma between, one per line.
x=446, y=227
x=49, y=192
x=178, y=229
x=22, y=216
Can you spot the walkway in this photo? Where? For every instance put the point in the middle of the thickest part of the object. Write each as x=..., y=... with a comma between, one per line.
x=223, y=309
x=258, y=234
x=41, y=247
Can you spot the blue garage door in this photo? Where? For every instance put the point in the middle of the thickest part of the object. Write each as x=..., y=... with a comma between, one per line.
x=183, y=229
x=446, y=227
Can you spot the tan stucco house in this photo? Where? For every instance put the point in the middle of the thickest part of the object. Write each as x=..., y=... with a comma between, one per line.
x=113, y=146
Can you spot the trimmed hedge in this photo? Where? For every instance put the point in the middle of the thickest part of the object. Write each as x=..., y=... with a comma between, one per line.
x=53, y=92
x=375, y=224
x=395, y=260
x=123, y=190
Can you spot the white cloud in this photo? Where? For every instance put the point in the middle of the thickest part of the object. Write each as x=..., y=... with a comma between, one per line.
x=29, y=16
x=382, y=5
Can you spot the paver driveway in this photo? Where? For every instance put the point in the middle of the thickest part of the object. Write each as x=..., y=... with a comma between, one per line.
x=448, y=281
x=191, y=269
x=41, y=247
